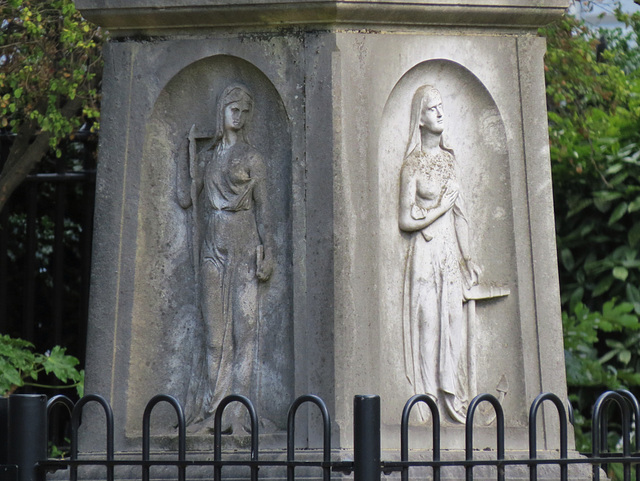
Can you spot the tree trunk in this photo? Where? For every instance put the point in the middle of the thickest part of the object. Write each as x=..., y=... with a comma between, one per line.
x=28, y=148
x=17, y=168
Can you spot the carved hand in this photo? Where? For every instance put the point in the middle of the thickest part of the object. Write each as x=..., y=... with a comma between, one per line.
x=265, y=267
x=448, y=198
x=473, y=272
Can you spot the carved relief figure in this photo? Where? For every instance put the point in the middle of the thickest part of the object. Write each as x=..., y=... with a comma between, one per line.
x=439, y=269
x=224, y=187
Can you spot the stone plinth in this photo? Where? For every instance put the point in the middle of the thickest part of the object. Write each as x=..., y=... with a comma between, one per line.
x=123, y=17
x=327, y=161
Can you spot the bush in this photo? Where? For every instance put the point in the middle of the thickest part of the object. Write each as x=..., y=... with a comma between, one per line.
x=594, y=129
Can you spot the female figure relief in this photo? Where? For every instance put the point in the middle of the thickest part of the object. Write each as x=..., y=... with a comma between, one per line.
x=225, y=185
x=439, y=269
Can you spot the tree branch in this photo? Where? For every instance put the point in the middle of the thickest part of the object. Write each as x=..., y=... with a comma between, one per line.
x=27, y=150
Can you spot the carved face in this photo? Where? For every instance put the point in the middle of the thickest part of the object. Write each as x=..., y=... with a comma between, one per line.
x=432, y=114
x=236, y=115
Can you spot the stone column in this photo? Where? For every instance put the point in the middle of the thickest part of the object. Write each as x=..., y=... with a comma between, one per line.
x=410, y=228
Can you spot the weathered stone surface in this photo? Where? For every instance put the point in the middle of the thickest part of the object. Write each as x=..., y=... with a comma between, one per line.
x=123, y=17
x=331, y=118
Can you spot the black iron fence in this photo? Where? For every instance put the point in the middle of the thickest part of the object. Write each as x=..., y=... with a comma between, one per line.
x=25, y=442
x=45, y=247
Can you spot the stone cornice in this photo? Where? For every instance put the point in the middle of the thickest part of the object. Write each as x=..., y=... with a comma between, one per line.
x=123, y=17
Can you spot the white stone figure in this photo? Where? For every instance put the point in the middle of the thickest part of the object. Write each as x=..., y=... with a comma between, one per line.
x=224, y=185
x=439, y=268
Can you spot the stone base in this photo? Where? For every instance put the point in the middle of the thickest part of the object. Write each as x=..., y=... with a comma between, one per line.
x=577, y=471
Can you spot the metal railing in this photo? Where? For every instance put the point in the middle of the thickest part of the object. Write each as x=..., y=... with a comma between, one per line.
x=27, y=414
x=45, y=247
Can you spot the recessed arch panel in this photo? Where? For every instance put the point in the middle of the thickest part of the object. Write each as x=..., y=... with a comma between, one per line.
x=167, y=352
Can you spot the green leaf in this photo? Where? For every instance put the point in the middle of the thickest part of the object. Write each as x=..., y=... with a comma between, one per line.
x=608, y=356
x=633, y=235
x=634, y=205
x=620, y=273
x=629, y=321
x=567, y=259
x=586, y=229
x=61, y=365
x=11, y=376
x=576, y=298
x=606, y=195
x=80, y=385
x=603, y=286
x=633, y=293
x=624, y=356
x=603, y=199
x=615, y=168
x=618, y=212
x=579, y=206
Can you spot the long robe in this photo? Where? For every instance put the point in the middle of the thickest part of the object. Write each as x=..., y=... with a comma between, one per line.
x=434, y=319
x=228, y=294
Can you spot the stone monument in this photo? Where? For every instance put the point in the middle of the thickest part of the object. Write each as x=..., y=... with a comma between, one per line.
x=330, y=197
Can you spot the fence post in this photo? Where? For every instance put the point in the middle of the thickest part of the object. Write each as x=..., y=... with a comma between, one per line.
x=366, y=438
x=28, y=434
x=4, y=429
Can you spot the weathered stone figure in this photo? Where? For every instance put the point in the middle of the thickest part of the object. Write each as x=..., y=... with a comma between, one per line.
x=224, y=185
x=439, y=268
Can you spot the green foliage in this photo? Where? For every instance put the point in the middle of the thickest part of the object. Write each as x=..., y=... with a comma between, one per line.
x=594, y=130
x=56, y=452
x=590, y=363
x=20, y=366
x=48, y=55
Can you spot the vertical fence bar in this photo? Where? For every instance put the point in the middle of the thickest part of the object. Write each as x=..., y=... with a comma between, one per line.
x=28, y=329
x=4, y=268
x=4, y=429
x=6, y=140
x=28, y=434
x=604, y=435
x=366, y=438
x=58, y=252
x=634, y=407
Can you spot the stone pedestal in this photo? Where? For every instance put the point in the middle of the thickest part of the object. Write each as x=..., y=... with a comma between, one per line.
x=331, y=85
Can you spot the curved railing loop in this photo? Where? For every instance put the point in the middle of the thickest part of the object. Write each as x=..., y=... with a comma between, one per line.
x=326, y=434
x=404, y=433
x=217, y=433
x=146, y=433
x=59, y=399
x=76, y=414
x=473, y=406
x=533, y=433
x=600, y=429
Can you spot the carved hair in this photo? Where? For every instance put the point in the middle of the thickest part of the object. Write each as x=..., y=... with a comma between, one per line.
x=233, y=93
x=423, y=94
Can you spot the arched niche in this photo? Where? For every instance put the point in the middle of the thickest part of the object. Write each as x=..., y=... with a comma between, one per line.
x=475, y=130
x=167, y=326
